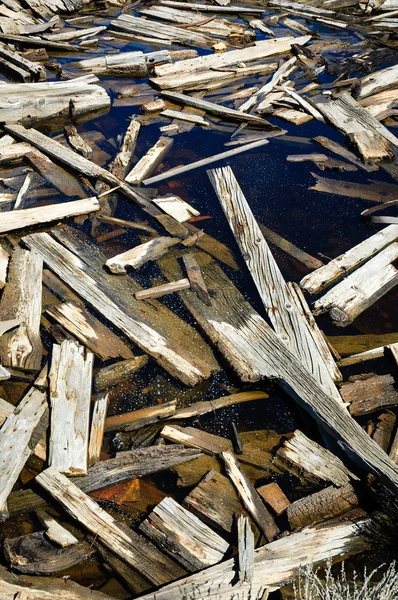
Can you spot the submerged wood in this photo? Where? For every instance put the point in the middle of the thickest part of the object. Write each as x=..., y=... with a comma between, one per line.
x=77, y=142
x=162, y=290
x=17, y=441
x=343, y=152
x=131, y=547
x=70, y=395
x=182, y=535
x=139, y=418
x=62, y=180
x=326, y=504
x=350, y=260
x=138, y=256
x=153, y=328
x=21, y=348
x=28, y=217
x=34, y=71
x=111, y=375
x=197, y=283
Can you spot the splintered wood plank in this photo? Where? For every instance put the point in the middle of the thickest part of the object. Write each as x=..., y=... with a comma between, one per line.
x=97, y=428
x=21, y=348
x=140, y=418
x=139, y=255
x=89, y=331
x=306, y=259
x=245, y=549
x=17, y=441
x=173, y=343
x=162, y=290
x=27, y=217
x=70, y=395
x=370, y=394
x=325, y=504
x=132, y=548
x=280, y=301
x=176, y=207
x=250, y=497
x=195, y=438
x=148, y=163
x=350, y=260
x=54, y=531
x=120, y=165
x=275, y=564
x=113, y=374
x=195, y=278
x=182, y=535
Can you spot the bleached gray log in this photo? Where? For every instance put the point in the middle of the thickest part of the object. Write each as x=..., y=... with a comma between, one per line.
x=282, y=73
x=97, y=428
x=259, y=50
x=280, y=301
x=215, y=109
x=54, y=531
x=148, y=163
x=162, y=290
x=245, y=549
x=348, y=116
x=67, y=36
x=309, y=457
x=16, y=441
x=6, y=409
x=204, y=162
x=132, y=548
x=176, y=207
x=350, y=260
x=182, y=535
x=361, y=289
x=275, y=564
x=250, y=497
x=138, y=256
x=21, y=347
x=70, y=395
x=142, y=330
x=28, y=217
x=379, y=81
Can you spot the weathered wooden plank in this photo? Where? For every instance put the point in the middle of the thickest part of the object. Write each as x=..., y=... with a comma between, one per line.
x=97, y=428
x=148, y=163
x=245, y=549
x=139, y=255
x=162, y=290
x=111, y=375
x=272, y=494
x=370, y=393
x=54, y=531
x=325, y=504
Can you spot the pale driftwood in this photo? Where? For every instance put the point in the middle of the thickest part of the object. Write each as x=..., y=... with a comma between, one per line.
x=350, y=260
x=120, y=166
x=21, y=348
x=272, y=494
x=209, y=8
x=126, y=466
x=77, y=142
x=176, y=207
x=74, y=34
x=317, y=462
x=255, y=101
x=216, y=109
x=205, y=161
x=97, y=429
x=182, y=535
x=138, y=256
x=141, y=417
x=89, y=331
x=162, y=290
x=370, y=393
x=17, y=441
x=245, y=549
x=124, y=312
x=355, y=359
x=28, y=217
x=54, y=531
x=70, y=395
x=23, y=190
x=280, y=302
x=343, y=152
x=372, y=146
x=250, y=497
x=14, y=151
x=215, y=501
x=326, y=504
x=148, y=163
x=375, y=192
x=153, y=106
x=275, y=564
x=361, y=289
x=132, y=548
x=195, y=438
x=195, y=278
x=128, y=224
x=34, y=71
x=379, y=81
x=185, y=116
x=132, y=64
x=111, y=375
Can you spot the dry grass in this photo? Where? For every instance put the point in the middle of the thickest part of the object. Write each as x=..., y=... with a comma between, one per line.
x=366, y=587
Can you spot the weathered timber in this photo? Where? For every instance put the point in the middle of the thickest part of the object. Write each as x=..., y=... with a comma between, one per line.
x=215, y=501
x=153, y=327
x=369, y=394
x=28, y=217
x=176, y=207
x=77, y=142
x=354, y=344
x=372, y=146
x=275, y=564
x=350, y=260
x=97, y=429
x=303, y=257
x=279, y=300
x=360, y=289
x=162, y=290
x=283, y=72
x=21, y=348
x=141, y=417
x=35, y=72
x=195, y=438
x=34, y=554
x=245, y=549
x=124, y=64
x=384, y=430
x=138, y=256
x=120, y=165
x=185, y=116
x=111, y=375
x=326, y=504
x=17, y=441
x=129, y=546
x=89, y=331
x=379, y=81
x=375, y=192
x=54, y=531
x=70, y=395
x=134, y=581
x=148, y=163
x=250, y=497
x=125, y=466
x=272, y=494
x=343, y=152
x=62, y=180
x=195, y=278
x=182, y=535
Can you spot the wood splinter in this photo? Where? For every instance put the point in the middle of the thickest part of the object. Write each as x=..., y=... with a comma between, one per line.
x=163, y=290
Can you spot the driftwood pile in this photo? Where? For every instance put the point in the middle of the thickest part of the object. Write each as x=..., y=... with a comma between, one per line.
x=81, y=326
